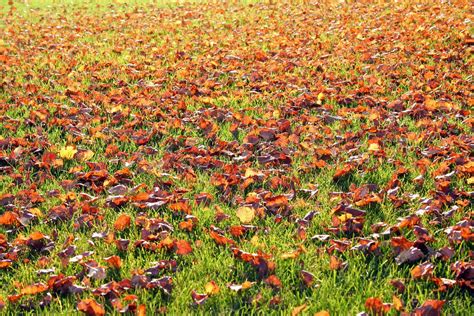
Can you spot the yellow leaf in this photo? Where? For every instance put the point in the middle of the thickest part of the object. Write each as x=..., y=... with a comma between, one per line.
x=374, y=147
x=36, y=211
x=344, y=217
x=322, y=313
x=397, y=303
x=373, y=116
x=290, y=255
x=247, y=285
x=321, y=98
x=211, y=288
x=245, y=214
x=67, y=152
x=254, y=241
x=249, y=172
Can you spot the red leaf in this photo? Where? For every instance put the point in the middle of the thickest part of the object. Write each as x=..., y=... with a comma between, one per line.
x=307, y=277
x=199, y=299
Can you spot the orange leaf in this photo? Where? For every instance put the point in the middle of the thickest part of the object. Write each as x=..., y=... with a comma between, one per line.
x=375, y=305
x=141, y=310
x=34, y=289
x=122, y=222
x=335, y=263
x=90, y=307
x=183, y=247
x=114, y=261
x=274, y=282
x=397, y=303
x=9, y=219
x=298, y=309
x=211, y=288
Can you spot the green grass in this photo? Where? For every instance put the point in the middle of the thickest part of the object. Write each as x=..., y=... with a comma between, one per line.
x=104, y=70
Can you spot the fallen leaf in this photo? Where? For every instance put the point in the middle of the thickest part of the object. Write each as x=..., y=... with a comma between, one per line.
x=67, y=152
x=245, y=214
x=122, y=222
x=114, y=261
x=90, y=307
x=211, y=288
x=183, y=247
x=199, y=299
x=298, y=309
x=274, y=282
x=34, y=289
x=430, y=308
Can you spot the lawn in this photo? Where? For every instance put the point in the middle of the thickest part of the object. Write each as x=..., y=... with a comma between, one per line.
x=310, y=158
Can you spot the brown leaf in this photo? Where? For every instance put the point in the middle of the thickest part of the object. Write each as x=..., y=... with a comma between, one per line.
x=409, y=256
x=399, y=285
x=430, y=308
